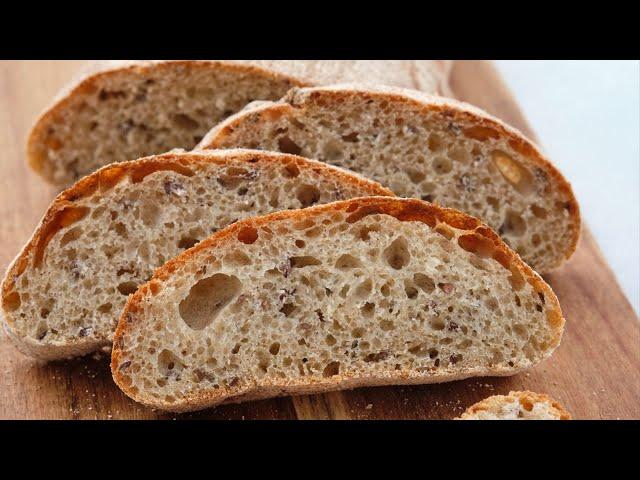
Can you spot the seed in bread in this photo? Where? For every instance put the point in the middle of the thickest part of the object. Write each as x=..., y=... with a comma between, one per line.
x=424, y=147
x=120, y=111
x=516, y=406
x=363, y=292
x=104, y=236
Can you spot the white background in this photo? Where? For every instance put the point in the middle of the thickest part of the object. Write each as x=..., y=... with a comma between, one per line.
x=586, y=115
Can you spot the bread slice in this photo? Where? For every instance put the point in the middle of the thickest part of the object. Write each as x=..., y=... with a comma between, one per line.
x=516, y=406
x=362, y=292
x=421, y=146
x=119, y=111
x=105, y=235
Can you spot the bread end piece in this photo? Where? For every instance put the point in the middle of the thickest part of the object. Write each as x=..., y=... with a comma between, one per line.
x=523, y=405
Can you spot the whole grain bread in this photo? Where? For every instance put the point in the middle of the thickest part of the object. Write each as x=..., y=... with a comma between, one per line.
x=516, y=406
x=362, y=292
x=427, y=147
x=104, y=236
x=122, y=110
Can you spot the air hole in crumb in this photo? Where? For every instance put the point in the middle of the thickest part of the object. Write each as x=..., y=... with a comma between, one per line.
x=348, y=261
x=331, y=369
x=364, y=289
x=364, y=231
x=105, y=308
x=437, y=323
x=416, y=176
x=169, y=364
x=424, y=283
x=274, y=348
x=306, y=261
x=237, y=258
x=248, y=235
x=367, y=309
x=387, y=325
x=287, y=309
x=127, y=288
x=71, y=236
x=539, y=212
x=286, y=145
x=300, y=243
x=351, y=137
x=308, y=195
x=410, y=290
x=513, y=224
x=442, y=165
x=493, y=201
x=207, y=298
x=435, y=143
x=187, y=242
x=397, y=254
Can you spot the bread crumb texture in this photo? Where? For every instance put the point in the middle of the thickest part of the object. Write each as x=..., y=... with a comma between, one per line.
x=126, y=110
x=369, y=291
x=516, y=406
x=104, y=237
x=423, y=147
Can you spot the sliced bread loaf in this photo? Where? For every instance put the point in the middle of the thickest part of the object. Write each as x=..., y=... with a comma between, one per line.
x=516, y=406
x=119, y=111
x=363, y=292
x=105, y=235
x=424, y=147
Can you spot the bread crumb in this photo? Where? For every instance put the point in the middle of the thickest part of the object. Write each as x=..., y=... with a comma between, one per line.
x=369, y=407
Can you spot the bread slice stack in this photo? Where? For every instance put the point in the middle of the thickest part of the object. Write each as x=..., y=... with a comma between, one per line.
x=363, y=292
x=516, y=406
x=117, y=111
x=103, y=237
x=241, y=270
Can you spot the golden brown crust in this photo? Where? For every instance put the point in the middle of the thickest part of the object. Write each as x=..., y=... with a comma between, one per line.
x=402, y=209
x=526, y=398
x=480, y=126
x=64, y=210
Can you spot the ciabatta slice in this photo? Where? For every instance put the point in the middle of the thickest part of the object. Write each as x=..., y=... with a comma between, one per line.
x=369, y=291
x=104, y=236
x=516, y=406
x=425, y=147
x=118, y=110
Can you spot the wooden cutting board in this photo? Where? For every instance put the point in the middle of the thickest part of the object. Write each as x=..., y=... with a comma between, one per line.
x=595, y=372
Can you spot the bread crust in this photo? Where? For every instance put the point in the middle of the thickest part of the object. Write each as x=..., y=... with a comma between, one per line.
x=402, y=209
x=496, y=401
x=295, y=73
x=106, y=178
x=453, y=110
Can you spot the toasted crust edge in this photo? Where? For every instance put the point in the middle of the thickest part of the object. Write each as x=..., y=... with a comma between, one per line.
x=86, y=82
x=454, y=110
x=401, y=208
x=497, y=400
x=93, y=184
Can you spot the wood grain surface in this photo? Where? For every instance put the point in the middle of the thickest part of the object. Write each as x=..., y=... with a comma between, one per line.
x=595, y=372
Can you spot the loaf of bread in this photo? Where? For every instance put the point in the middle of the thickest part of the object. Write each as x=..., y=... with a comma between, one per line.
x=104, y=236
x=516, y=406
x=362, y=292
x=119, y=111
x=425, y=147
